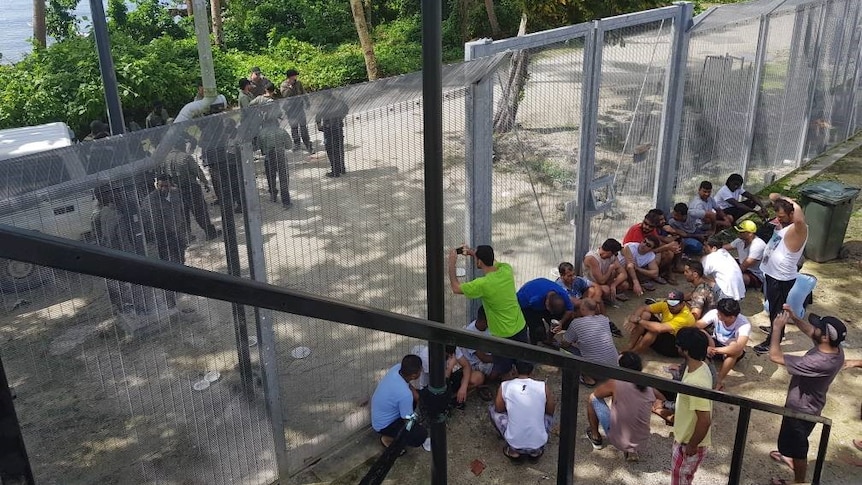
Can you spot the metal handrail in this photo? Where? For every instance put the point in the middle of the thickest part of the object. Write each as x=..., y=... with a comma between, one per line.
x=75, y=256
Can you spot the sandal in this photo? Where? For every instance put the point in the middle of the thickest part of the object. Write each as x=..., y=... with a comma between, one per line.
x=585, y=383
x=778, y=481
x=779, y=458
x=511, y=454
x=660, y=280
x=622, y=297
x=858, y=444
x=484, y=393
x=647, y=286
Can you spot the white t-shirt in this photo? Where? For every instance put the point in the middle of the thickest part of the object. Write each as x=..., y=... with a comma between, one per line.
x=725, y=193
x=725, y=335
x=641, y=260
x=470, y=354
x=525, y=404
x=720, y=266
x=754, y=251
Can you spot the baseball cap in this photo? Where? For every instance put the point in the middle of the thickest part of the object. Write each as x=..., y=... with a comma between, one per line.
x=831, y=326
x=675, y=297
x=746, y=226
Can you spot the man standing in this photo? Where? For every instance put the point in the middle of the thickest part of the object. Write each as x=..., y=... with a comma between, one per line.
x=258, y=82
x=188, y=176
x=542, y=300
x=290, y=88
x=393, y=401
x=693, y=417
x=811, y=375
x=781, y=259
x=158, y=115
x=749, y=253
x=330, y=120
x=163, y=215
x=497, y=291
x=523, y=414
x=272, y=140
x=720, y=266
x=646, y=332
x=245, y=96
x=728, y=199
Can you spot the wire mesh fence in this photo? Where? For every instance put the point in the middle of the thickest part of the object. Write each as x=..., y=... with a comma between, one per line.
x=325, y=193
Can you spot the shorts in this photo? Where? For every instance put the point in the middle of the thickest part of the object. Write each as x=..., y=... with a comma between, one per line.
x=665, y=344
x=793, y=438
x=721, y=357
x=756, y=282
x=413, y=437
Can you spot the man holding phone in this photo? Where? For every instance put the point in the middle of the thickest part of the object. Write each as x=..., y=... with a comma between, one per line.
x=497, y=291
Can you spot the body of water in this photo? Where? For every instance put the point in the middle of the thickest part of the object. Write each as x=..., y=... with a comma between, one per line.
x=18, y=27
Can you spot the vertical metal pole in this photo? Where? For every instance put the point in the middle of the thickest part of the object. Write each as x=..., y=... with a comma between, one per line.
x=812, y=85
x=568, y=426
x=205, y=51
x=739, y=445
x=14, y=463
x=263, y=317
x=106, y=68
x=432, y=111
x=851, y=108
x=671, y=116
x=821, y=454
x=754, y=96
x=587, y=143
x=479, y=153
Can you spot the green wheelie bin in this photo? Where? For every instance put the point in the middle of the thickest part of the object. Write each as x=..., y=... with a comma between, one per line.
x=827, y=206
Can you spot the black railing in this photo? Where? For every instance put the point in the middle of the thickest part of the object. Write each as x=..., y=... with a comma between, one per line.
x=30, y=246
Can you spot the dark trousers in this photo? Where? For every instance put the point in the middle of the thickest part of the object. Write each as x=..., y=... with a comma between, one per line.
x=736, y=212
x=536, y=324
x=171, y=248
x=226, y=184
x=275, y=165
x=298, y=131
x=194, y=202
x=776, y=295
x=333, y=137
x=413, y=438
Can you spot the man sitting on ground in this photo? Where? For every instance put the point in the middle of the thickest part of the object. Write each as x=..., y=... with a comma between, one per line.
x=686, y=227
x=749, y=252
x=603, y=269
x=542, y=300
x=667, y=249
x=476, y=365
x=729, y=336
x=705, y=211
x=523, y=413
x=720, y=266
x=577, y=287
x=728, y=199
x=646, y=332
x=701, y=299
x=589, y=337
x=393, y=401
x=627, y=420
x=639, y=263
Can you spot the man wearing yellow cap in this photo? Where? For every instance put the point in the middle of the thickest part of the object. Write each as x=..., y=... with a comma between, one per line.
x=749, y=251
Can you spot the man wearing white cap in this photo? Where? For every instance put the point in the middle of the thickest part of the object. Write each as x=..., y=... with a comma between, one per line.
x=749, y=251
x=811, y=374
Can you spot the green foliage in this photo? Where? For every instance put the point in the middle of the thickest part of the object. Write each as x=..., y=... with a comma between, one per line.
x=60, y=21
x=149, y=20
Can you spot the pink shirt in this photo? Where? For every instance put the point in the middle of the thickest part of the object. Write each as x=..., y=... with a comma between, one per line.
x=630, y=416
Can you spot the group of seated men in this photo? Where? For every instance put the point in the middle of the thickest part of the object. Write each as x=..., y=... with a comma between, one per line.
x=569, y=313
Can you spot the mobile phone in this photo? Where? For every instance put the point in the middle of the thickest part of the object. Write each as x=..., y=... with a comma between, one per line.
x=459, y=250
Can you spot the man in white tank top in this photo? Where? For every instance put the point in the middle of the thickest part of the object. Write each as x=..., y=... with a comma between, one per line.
x=523, y=413
x=781, y=257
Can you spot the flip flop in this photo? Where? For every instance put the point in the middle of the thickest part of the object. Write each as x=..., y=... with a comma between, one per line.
x=585, y=383
x=777, y=481
x=484, y=393
x=858, y=444
x=779, y=458
x=515, y=457
x=622, y=297
x=660, y=280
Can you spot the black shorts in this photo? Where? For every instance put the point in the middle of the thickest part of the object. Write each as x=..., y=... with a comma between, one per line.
x=503, y=365
x=413, y=438
x=793, y=438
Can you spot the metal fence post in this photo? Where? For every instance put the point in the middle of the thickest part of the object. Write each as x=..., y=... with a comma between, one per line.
x=479, y=148
x=671, y=116
x=742, y=421
x=263, y=317
x=854, y=87
x=821, y=454
x=568, y=426
x=812, y=85
x=593, y=43
x=754, y=96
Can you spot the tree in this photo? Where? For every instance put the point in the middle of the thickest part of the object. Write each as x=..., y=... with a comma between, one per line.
x=492, y=19
x=60, y=20
x=40, y=34
x=215, y=6
x=507, y=110
x=364, y=39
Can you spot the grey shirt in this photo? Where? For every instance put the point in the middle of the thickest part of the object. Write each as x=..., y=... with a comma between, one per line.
x=811, y=374
x=592, y=333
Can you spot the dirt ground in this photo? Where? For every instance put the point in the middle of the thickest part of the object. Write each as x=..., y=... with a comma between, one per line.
x=470, y=435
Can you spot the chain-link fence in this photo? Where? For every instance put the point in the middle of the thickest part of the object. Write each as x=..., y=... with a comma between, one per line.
x=553, y=142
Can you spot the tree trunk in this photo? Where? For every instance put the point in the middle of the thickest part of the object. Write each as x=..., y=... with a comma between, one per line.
x=492, y=19
x=215, y=7
x=364, y=39
x=507, y=111
x=190, y=7
x=40, y=35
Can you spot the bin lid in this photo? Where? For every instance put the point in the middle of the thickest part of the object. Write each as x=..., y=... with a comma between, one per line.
x=830, y=192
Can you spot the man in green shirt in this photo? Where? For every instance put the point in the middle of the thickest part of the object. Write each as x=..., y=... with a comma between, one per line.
x=497, y=291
